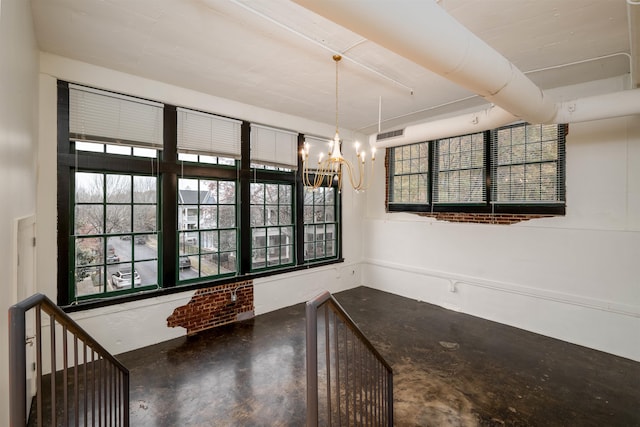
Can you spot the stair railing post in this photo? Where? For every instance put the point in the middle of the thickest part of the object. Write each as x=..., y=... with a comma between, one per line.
x=17, y=368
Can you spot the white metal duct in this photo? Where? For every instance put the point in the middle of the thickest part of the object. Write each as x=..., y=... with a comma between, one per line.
x=425, y=34
x=489, y=118
x=616, y=104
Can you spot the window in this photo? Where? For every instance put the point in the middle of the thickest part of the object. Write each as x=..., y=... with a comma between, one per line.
x=320, y=223
x=459, y=170
x=207, y=233
x=410, y=178
x=153, y=196
x=514, y=169
x=115, y=233
x=272, y=229
x=527, y=164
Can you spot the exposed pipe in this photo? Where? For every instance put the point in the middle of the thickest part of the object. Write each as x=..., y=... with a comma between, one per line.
x=479, y=121
x=427, y=35
x=536, y=70
x=416, y=30
x=607, y=106
x=616, y=104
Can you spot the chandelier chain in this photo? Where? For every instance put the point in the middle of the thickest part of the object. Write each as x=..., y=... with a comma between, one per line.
x=337, y=59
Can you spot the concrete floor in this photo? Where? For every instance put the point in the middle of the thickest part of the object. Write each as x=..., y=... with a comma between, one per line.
x=450, y=369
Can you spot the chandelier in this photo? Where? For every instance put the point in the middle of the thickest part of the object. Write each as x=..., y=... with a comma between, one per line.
x=332, y=166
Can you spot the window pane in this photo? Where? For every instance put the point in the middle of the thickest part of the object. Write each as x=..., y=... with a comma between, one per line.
x=208, y=192
x=118, y=189
x=275, y=211
x=227, y=192
x=202, y=214
x=271, y=193
x=119, y=149
x=144, y=218
x=89, y=146
x=144, y=189
x=188, y=243
x=147, y=272
x=208, y=217
x=460, y=162
x=409, y=175
x=257, y=193
x=112, y=242
x=89, y=187
x=89, y=219
x=227, y=216
x=118, y=219
x=320, y=221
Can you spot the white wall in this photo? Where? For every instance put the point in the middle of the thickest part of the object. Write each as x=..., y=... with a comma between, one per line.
x=576, y=278
x=18, y=139
x=136, y=324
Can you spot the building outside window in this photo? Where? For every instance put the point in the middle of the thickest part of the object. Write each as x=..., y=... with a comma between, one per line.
x=320, y=223
x=272, y=227
x=207, y=233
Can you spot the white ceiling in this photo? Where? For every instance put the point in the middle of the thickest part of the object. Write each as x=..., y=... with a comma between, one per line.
x=277, y=55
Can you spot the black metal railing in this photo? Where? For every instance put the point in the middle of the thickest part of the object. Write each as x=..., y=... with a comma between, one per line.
x=348, y=381
x=77, y=381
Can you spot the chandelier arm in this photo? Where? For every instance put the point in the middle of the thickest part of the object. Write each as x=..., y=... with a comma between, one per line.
x=333, y=166
x=369, y=179
x=351, y=177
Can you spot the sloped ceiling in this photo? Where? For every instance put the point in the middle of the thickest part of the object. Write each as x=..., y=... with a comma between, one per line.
x=277, y=55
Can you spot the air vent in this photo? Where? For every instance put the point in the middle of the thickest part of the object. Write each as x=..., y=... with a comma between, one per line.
x=390, y=134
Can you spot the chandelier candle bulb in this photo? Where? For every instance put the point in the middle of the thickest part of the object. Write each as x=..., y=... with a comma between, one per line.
x=333, y=167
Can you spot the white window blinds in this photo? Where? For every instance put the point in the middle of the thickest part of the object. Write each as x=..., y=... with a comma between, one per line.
x=105, y=117
x=274, y=147
x=459, y=170
x=527, y=164
x=208, y=134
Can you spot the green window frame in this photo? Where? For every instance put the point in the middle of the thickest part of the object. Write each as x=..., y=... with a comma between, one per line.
x=272, y=225
x=320, y=223
x=515, y=169
x=115, y=235
x=169, y=153
x=207, y=228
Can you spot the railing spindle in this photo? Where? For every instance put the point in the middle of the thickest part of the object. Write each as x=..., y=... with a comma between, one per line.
x=76, y=391
x=52, y=327
x=65, y=376
x=105, y=380
x=359, y=389
x=39, y=366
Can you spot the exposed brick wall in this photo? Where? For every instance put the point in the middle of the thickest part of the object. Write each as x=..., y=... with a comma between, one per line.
x=214, y=306
x=481, y=218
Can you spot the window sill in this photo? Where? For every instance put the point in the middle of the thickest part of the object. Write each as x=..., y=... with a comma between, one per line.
x=109, y=301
